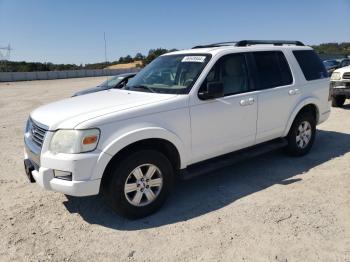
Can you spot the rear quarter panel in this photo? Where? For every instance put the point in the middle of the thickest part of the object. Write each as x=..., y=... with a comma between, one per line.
x=314, y=92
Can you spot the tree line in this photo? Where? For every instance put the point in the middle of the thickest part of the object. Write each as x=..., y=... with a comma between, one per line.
x=333, y=48
x=327, y=49
x=11, y=66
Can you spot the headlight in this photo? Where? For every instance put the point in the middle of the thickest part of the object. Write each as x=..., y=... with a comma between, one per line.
x=336, y=76
x=74, y=141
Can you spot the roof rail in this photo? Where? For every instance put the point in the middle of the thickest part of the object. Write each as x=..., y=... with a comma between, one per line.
x=216, y=44
x=251, y=42
x=268, y=42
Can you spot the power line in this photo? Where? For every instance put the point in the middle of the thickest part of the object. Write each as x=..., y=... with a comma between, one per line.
x=5, y=52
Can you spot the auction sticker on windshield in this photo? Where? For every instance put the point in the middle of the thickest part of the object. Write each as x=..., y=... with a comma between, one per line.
x=198, y=59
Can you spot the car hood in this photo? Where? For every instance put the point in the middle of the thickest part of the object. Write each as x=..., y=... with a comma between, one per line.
x=91, y=90
x=343, y=69
x=70, y=112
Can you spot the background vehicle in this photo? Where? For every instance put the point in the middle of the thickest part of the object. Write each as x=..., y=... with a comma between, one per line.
x=117, y=81
x=340, y=86
x=186, y=113
x=331, y=65
x=344, y=62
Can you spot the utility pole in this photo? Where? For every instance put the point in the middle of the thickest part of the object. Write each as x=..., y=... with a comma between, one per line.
x=5, y=55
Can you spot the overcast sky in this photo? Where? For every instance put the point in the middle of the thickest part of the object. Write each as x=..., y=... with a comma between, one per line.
x=72, y=31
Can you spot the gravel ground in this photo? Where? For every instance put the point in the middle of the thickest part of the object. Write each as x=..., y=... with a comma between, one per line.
x=278, y=209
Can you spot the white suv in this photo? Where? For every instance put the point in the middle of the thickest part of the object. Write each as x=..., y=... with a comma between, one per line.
x=182, y=115
x=340, y=86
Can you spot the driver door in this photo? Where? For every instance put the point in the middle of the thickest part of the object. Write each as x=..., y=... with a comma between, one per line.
x=225, y=124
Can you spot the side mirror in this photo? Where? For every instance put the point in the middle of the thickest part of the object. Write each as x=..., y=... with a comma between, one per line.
x=212, y=90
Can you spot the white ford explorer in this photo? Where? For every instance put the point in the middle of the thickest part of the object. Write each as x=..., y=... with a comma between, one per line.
x=184, y=114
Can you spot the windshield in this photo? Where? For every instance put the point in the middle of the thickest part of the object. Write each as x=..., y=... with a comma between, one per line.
x=112, y=81
x=172, y=74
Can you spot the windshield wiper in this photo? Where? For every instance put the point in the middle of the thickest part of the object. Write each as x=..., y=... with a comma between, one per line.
x=142, y=87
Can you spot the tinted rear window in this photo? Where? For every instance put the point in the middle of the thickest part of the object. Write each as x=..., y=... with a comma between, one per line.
x=310, y=64
x=273, y=69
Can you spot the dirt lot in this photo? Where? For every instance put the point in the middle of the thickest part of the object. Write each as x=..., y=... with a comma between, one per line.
x=271, y=208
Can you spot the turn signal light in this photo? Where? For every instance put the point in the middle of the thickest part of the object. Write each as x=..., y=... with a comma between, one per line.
x=88, y=140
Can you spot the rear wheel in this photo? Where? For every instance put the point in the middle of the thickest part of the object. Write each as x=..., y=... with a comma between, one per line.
x=302, y=134
x=338, y=101
x=139, y=184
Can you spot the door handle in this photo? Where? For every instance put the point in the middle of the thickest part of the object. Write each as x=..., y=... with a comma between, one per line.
x=247, y=102
x=294, y=91
x=244, y=102
x=251, y=100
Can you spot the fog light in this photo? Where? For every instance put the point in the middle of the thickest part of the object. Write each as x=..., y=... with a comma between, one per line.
x=62, y=175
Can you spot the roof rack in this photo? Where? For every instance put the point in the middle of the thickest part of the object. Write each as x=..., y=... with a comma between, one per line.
x=216, y=44
x=251, y=42
x=268, y=42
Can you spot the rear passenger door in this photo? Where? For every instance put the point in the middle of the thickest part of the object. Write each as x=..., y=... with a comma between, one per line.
x=277, y=94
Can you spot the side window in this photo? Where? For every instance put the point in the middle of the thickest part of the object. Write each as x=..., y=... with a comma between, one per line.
x=310, y=64
x=231, y=70
x=272, y=69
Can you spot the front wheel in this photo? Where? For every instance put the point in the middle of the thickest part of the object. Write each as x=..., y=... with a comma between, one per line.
x=302, y=134
x=338, y=101
x=139, y=184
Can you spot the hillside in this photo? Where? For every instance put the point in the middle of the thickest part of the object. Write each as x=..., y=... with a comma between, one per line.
x=126, y=65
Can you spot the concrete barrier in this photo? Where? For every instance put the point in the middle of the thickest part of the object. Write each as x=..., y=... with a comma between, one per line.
x=48, y=75
x=40, y=75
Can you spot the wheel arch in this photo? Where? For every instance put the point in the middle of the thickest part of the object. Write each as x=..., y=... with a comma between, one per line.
x=147, y=138
x=310, y=105
x=158, y=144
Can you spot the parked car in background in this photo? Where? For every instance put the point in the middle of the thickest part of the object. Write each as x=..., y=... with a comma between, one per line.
x=340, y=86
x=331, y=65
x=344, y=62
x=117, y=81
x=185, y=114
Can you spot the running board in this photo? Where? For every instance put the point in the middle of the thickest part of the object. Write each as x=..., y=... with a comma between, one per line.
x=229, y=159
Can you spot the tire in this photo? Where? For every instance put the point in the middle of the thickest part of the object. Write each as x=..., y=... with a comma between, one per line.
x=147, y=196
x=302, y=134
x=338, y=101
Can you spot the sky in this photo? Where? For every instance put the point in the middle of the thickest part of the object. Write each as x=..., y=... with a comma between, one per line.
x=71, y=31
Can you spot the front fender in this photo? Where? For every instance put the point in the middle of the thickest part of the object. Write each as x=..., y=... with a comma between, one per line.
x=133, y=136
x=307, y=101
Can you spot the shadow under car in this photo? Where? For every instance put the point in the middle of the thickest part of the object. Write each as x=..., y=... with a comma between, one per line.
x=210, y=192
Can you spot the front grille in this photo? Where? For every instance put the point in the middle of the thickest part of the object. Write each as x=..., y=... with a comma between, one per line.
x=37, y=133
x=346, y=76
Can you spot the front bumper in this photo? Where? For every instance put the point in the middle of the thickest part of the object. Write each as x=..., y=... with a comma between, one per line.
x=45, y=178
x=86, y=176
x=340, y=88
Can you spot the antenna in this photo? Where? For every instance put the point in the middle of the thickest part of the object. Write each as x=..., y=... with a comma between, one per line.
x=104, y=38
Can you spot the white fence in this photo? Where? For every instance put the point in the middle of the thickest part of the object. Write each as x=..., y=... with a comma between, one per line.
x=47, y=75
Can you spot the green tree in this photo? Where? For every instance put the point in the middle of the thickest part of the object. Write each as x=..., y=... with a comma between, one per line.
x=139, y=57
